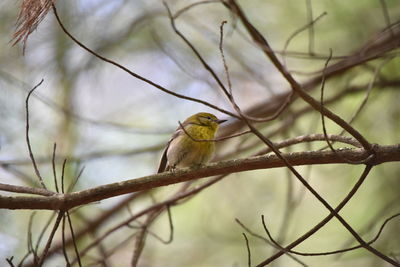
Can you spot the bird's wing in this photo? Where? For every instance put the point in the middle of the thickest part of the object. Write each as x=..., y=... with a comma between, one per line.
x=164, y=160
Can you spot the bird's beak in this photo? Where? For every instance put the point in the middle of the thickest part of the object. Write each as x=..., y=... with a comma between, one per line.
x=221, y=121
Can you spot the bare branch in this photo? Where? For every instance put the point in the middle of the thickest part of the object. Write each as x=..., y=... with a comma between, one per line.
x=298, y=31
x=267, y=241
x=25, y=189
x=43, y=232
x=71, y=228
x=323, y=117
x=96, y=222
x=325, y=253
x=10, y=261
x=72, y=185
x=322, y=222
x=187, y=8
x=171, y=229
x=70, y=200
x=27, y=135
x=53, y=165
x=221, y=49
x=48, y=244
x=248, y=250
x=141, y=238
x=137, y=76
x=86, y=157
x=311, y=20
x=386, y=16
x=369, y=89
x=262, y=42
x=311, y=138
x=64, y=249
x=62, y=175
x=211, y=140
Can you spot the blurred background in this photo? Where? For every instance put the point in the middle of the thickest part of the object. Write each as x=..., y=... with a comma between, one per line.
x=115, y=126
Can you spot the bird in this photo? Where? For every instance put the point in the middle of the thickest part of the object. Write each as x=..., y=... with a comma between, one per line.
x=187, y=147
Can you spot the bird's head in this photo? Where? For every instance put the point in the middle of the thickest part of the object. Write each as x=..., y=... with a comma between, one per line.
x=204, y=119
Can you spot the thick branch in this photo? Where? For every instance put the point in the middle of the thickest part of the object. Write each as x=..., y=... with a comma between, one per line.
x=68, y=201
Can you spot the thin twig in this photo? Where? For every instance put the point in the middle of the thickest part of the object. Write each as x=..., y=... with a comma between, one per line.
x=110, y=125
x=144, y=227
x=43, y=232
x=171, y=226
x=325, y=253
x=48, y=244
x=137, y=76
x=96, y=222
x=141, y=238
x=64, y=249
x=17, y=173
x=214, y=139
x=228, y=92
x=53, y=164
x=62, y=176
x=114, y=249
x=322, y=103
x=25, y=190
x=323, y=222
x=187, y=8
x=386, y=16
x=369, y=157
x=73, y=239
x=276, y=244
x=248, y=250
x=298, y=31
x=367, y=228
x=27, y=135
x=355, y=247
x=30, y=243
x=101, y=248
x=369, y=90
x=311, y=39
x=85, y=157
x=221, y=49
x=72, y=185
x=195, y=51
x=290, y=205
x=10, y=261
x=267, y=241
x=311, y=138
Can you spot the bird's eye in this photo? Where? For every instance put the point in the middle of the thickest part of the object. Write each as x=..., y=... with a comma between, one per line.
x=208, y=118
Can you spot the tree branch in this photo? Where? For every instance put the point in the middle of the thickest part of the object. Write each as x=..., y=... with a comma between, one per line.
x=71, y=200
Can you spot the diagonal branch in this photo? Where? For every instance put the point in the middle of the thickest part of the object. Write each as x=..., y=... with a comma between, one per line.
x=137, y=76
x=263, y=43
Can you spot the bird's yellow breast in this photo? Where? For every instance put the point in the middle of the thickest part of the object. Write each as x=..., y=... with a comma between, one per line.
x=184, y=151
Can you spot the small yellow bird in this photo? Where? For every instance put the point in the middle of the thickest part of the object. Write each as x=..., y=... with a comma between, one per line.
x=183, y=150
